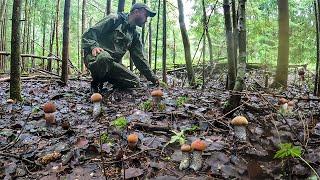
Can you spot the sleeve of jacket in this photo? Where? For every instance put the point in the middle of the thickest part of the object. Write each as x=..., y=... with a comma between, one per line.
x=139, y=59
x=90, y=38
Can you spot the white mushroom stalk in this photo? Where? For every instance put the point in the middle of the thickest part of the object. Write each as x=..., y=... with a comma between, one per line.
x=240, y=124
x=49, y=113
x=96, y=99
x=198, y=146
x=185, y=160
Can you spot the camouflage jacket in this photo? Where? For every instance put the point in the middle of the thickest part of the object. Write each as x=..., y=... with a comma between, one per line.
x=115, y=35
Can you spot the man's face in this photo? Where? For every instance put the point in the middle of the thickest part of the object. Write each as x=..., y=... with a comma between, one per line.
x=141, y=17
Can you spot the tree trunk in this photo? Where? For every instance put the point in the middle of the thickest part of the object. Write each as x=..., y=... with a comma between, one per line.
x=65, y=43
x=121, y=4
x=235, y=32
x=143, y=27
x=83, y=28
x=150, y=43
x=186, y=44
x=2, y=8
x=281, y=76
x=157, y=35
x=234, y=100
x=43, y=40
x=230, y=46
x=174, y=52
x=164, y=42
x=208, y=34
x=57, y=35
x=108, y=8
x=317, y=79
x=24, y=35
x=49, y=65
x=15, y=73
x=33, y=33
x=204, y=24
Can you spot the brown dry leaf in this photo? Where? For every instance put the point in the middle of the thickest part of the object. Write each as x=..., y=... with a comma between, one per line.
x=49, y=157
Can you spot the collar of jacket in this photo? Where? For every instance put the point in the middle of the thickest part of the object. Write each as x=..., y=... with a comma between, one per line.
x=126, y=24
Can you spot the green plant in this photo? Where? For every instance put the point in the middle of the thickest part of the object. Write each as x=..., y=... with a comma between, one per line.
x=163, y=85
x=146, y=106
x=193, y=128
x=287, y=150
x=120, y=122
x=177, y=137
x=105, y=139
x=181, y=101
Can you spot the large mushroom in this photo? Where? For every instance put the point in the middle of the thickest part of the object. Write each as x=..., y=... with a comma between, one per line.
x=132, y=140
x=49, y=109
x=96, y=99
x=156, y=96
x=198, y=146
x=283, y=104
x=240, y=123
x=185, y=161
x=10, y=103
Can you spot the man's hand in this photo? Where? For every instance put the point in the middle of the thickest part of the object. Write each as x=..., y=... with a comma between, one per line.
x=96, y=51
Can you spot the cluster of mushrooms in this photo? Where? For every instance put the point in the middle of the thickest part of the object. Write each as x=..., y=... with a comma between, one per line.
x=285, y=105
x=195, y=163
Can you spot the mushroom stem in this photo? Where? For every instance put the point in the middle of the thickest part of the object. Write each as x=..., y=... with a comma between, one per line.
x=185, y=161
x=9, y=108
x=96, y=109
x=240, y=133
x=196, y=162
x=50, y=118
x=156, y=100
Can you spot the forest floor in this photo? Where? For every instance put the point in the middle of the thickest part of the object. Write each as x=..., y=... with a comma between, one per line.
x=72, y=148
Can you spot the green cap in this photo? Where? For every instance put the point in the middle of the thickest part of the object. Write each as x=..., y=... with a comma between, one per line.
x=144, y=6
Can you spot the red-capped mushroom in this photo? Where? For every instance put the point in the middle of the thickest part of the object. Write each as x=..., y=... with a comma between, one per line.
x=132, y=140
x=198, y=146
x=49, y=110
x=185, y=160
x=156, y=96
x=96, y=99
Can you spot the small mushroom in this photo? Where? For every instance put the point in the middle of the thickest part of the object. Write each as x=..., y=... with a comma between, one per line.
x=132, y=140
x=49, y=110
x=10, y=103
x=156, y=96
x=185, y=161
x=301, y=74
x=283, y=104
x=96, y=99
x=240, y=123
x=290, y=106
x=198, y=146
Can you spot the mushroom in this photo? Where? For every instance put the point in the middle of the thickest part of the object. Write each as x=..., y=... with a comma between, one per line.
x=290, y=106
x=156, y=96
x=239, y=124
x=198, y=146
x=96, y=100
x=10, y=103
x=283, y=104
x=185, y=161
x=301, y=73
x=132, y=140
x=49, y=108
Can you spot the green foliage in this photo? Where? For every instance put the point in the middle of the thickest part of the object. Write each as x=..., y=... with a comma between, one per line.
x=178, y=137
x=105, y=139
x=163, y=85
x=120, y=122
x=181, y=101
x=146, y=106
x=287, y=150
x=193, y=128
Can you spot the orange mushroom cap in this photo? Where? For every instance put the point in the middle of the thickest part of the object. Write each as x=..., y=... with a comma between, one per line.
x=96, y=97
x=282, y=101
x=10, y=101
x=49, y=107
x=133, y=138
x=185, y=148
x=239, y=121
x=198, y=145
x=291, y=103
x=157, y=92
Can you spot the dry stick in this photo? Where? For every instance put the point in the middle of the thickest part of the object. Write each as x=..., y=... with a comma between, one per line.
x=19, y=157
x=129, y=157
x=104, y=169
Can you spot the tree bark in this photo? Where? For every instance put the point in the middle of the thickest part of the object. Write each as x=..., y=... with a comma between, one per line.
x=317, y=79
x=186, y=44
x=235, y=32
x=157, y=35
x=49, y=65
x=65, y=43
x=230, y=46
x=121, y=4
x=150, y=43
x=24, y=35
x=164, y=42
x=83, y=28
x=57, y=34
x=108, y=8
x=15, y=73
x=281, y=76
x=3, y=8
x=43, y=40
x=204, y=24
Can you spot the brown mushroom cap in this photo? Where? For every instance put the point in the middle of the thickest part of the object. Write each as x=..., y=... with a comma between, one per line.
x=10, y=101
x=185, y=148
x=301, y=72
x=49, y=107
x=198, y=145
x=96, y=97
x=133, y=138
x=157, y=92
x=291, y=103
x=239, y=121
x=282, y=101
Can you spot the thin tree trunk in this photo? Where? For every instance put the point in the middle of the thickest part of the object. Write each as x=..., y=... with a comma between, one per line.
x=65, y=43
x=28, y=33
x=108, y=7
x=317, y=79
x=121, y=4
x=43, y=41
x=24, y=35
x=83, y=27
x=208, y=34
x=230, y=46
x=164, y=42
x=57, y=34
x=204, y=24
x=130, y=59
x=186, y=45
x=3, y=9
x=150, y=43
x=157, y=35
x=281, y=76
x=49, y=65
x=78, y=37
x=235, y=32
x=174, y=48
x=15, y=73
x=143, y=27
x=33, y=33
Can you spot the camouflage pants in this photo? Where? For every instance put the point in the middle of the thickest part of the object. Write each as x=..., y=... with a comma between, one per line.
x=104, y=69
